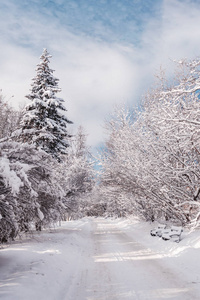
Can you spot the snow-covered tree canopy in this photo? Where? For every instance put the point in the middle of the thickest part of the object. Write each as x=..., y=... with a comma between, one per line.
x=152, y=157
x=9, y=118
x=44, y=123
x=29, y=191
x=76, y=173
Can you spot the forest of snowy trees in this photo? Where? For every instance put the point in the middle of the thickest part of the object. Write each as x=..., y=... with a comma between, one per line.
x=45, y=172
x=149, y=165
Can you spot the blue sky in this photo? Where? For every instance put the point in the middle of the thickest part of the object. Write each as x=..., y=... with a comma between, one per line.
x=105, y=52
x=106, y=20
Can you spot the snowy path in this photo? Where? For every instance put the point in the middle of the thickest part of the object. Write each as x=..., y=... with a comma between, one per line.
x=91, y=259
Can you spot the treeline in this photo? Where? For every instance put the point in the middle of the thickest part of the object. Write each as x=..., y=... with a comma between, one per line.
x=151, y=163
x=149, y=166
x=46, y=174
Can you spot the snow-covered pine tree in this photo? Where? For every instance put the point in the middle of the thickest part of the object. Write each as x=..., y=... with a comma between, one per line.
x=44, y=123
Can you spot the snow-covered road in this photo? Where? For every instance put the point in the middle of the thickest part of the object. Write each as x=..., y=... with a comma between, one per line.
x=95, y=259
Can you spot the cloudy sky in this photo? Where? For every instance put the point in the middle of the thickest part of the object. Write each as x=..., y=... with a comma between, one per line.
x=104, y=52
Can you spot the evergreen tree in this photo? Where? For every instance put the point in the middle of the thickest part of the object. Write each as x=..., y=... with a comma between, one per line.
x=44, y=123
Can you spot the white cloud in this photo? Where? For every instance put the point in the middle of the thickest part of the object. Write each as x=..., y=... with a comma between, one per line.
x=175, y=34
x=16, y=68
x=181, y=28
x=94, y=75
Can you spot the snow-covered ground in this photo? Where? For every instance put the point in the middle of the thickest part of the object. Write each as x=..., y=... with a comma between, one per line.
x=99, y=259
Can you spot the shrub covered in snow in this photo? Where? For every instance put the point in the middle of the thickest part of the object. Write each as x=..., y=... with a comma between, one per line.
x=28, y=192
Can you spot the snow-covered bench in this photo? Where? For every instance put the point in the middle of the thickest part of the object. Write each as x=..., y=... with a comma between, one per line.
x=173, y=233
x=157, y=231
